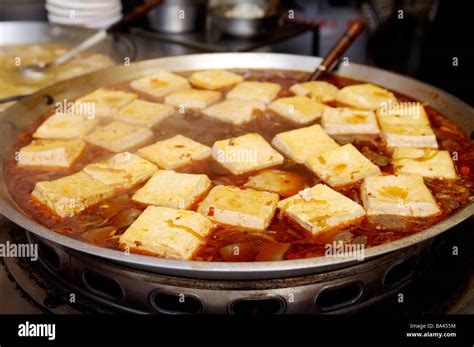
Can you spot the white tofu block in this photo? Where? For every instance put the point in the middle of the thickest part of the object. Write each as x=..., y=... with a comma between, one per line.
x=215, y=79
x=424, y=162
x=320, y=91
x=406, y=125
x=56, y=153
x=175, y=152
x=405, y=195
x=103, y=103
x=245, y=153
x=364, y=96
x=235, y=111
x=239, y=207
x=298, y=109
x=70, y=195
x=402, y=113
x=167, y=233
x=144, y=113
x=406, y=135
x=193, y=98
x=345, y=121
x=123, y=170
x=65, y=127
x=303, y=144
x=119, y=137
x=320, y=209
x=160, y=84
x=343, y=165
x=250, y=90
x=172, y=189
x=283, y=183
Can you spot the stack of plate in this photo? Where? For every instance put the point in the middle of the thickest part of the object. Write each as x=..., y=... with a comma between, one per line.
x=89, y=13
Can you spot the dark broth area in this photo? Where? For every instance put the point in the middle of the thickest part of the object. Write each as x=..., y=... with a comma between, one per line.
x=103, y=224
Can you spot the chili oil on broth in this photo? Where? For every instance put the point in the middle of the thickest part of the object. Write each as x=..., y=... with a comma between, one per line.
x=101, y=225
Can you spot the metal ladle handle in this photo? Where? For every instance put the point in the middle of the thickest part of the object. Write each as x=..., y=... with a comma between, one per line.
x=138, y=12
x=86, y=44
x=335, y=53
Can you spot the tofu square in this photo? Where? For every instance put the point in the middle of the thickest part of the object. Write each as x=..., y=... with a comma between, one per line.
x=105, y=103
x=245, y=153
x=406, y=125
x=303, y=144
x=320, y=209
x=193, y=98
x=70, y=195
x=167, y=233
x=123, y=170
x=408, y=135
x=144, y=113
x=250, y=90
x=160, y=84
x=118, y=136
x=55, y=153
x=364, y=96
x=283, y=183
x=62, y=126
x=424, y=162
x=245, y=208
x=403, y=113
x=343, y=165
x=320, y=91
x=171, y=189
x=345, y=121
x=175, y=152
x=235, y=111
x=215, y=79
x=405, y=195
x=298, y=109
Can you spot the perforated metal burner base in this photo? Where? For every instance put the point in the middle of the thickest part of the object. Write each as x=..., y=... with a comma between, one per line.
x=101, y=286
x=338, y=291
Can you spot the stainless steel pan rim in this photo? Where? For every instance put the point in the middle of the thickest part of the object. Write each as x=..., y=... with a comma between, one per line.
x=22, y=113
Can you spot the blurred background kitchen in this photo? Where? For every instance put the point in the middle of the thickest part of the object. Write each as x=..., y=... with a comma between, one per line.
x=426, y=39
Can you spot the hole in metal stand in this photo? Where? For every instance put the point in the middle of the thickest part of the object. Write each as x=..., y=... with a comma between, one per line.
x=255, y=307
x=102, y=285
x=338, y=297
x=48, y=256
x=400, y=272
x=175, y=303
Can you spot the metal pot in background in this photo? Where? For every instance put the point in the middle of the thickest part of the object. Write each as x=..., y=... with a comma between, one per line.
x=178, y=16
x=242, y=27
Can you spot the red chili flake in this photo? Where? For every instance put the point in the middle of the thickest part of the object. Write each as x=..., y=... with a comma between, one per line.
x=179, y=146
x=211, y=211
x=179, y=217
x=465, y=170
x=242, y=188
x=286, y=181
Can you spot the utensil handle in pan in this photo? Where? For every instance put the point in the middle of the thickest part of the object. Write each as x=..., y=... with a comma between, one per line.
x=84, y=45
x=344, y=42
x=102, y=34
x=135, y=14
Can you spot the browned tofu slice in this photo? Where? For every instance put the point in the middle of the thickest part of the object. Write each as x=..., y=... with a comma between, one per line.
x=70, y=195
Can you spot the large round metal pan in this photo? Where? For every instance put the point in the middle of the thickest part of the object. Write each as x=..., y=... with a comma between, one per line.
x=24, y=112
